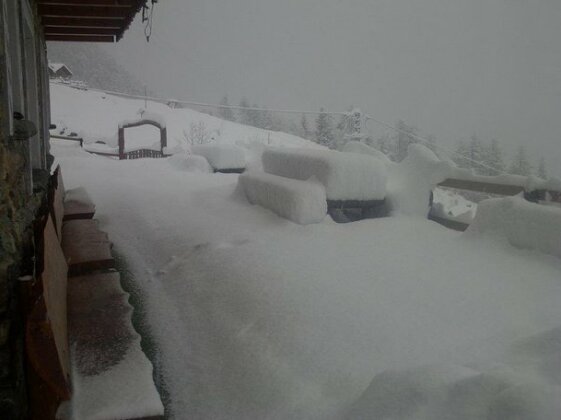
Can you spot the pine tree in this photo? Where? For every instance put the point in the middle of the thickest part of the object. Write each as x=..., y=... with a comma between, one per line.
x=224, y=111
x=461, y=157
x=304, y=127
x=324, y=130
x=520, y=164
x=244, y=113
x=494, y=158
x=405, y=136
x=542, y=170
x=431, y=144
x=476, y=154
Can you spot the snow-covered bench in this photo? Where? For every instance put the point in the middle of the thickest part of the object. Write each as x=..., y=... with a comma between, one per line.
x=302, y=202
x=351, y=180
x=224, y=158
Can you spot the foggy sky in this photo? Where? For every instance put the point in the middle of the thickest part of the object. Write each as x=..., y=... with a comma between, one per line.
x=453, y=68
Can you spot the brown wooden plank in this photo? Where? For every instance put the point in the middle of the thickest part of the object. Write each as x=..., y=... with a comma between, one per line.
x=82, y=22
x=58, y=204
x=61, y=30
x=484, y=187
x=80, y=38
x=90, y=2
x=54, y=292
x=86, y=248
x=450, y=224
x=81, y=11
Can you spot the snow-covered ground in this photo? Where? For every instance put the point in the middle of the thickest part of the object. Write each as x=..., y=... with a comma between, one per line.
x=257, y=317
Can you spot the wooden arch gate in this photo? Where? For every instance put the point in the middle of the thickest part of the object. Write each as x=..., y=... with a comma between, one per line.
x=142, y=153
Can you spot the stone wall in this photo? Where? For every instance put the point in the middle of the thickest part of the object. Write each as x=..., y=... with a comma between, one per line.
x=20, y=208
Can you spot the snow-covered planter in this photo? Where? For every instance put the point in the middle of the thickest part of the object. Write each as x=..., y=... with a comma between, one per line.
x=345, y=176
x=222, y=157
x=523, y=224
x=190, y=163
x=303, y=202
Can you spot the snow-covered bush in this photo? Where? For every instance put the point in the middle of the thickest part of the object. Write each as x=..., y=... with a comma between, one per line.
x=197, y=134
x=302, y=202
x=346, y=176
x=190, y=163
x=523, y=224
x=221, y=156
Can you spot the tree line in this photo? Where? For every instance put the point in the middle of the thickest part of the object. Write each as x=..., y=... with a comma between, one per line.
x=483, y=157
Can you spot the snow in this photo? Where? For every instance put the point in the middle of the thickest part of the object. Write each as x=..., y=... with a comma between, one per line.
x=412, y=180
x=221, y=156
x=346, y=176
x=523, y=224
x=190, y=163
x=79, y=195
x=143, y=116
x=448, y=204
x=95, y=116
x=364, y=149
x=256, y=317
x=302, y=202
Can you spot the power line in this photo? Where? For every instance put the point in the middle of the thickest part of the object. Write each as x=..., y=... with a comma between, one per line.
x=291, y=111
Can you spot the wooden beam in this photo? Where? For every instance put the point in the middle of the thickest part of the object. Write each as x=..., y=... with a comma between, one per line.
x=68, y=30
x=81, y=38
x=106, y=12
x=82, y=22
x=484, y=187
x=128, y=3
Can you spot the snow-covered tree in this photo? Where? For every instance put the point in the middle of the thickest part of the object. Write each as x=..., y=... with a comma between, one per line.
x=304, y=127
x=461, y=156
x=493, y=158
x=476, y=154
x=383, y=144
x=405, y=136
x=244, y=113
x=224, y=110
x=520, y=164
x=324, y=129
x=431, y=144
x=542, y=170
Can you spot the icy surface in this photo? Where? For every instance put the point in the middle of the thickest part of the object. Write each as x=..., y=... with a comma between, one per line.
x=221, y=156
x=302, y=202
x=346, y=176
x=523, y=224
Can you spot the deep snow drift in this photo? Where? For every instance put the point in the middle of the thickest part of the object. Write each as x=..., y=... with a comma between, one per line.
x=258, y=317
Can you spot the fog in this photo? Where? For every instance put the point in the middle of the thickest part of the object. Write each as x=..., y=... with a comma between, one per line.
x=452, y=68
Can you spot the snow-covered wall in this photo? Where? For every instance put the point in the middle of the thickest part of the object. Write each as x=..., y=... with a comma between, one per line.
x=523, y=224
x=221, y=156
x=346, y=176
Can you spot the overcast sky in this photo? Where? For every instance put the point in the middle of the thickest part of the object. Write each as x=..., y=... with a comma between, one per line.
x=450, y=67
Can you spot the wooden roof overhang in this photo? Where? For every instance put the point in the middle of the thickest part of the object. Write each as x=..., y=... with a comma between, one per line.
x=87, y=20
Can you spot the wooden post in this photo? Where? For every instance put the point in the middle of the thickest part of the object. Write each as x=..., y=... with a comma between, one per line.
x=121, y=143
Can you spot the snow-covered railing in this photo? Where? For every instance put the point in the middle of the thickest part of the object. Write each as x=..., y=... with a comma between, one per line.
x=146, y=119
